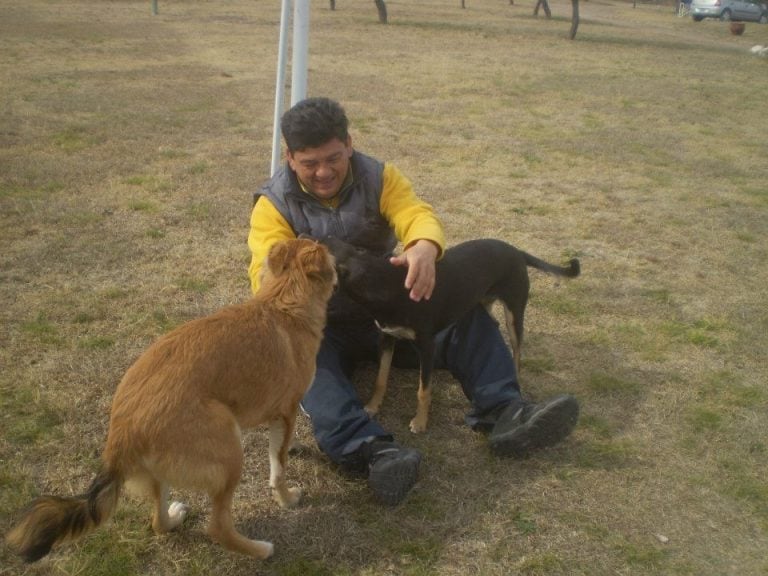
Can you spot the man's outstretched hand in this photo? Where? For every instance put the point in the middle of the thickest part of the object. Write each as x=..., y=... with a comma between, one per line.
x=420, y=259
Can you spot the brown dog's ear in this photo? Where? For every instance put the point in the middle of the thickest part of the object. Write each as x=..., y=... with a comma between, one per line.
x=277, y=258
x=311, y=255
x=316, y=260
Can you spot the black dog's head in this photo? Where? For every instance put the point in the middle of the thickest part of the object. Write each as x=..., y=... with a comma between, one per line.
x=351, y=262
x=365, y=276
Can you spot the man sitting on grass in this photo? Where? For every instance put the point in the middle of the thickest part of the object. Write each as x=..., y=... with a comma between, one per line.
x=329, y=189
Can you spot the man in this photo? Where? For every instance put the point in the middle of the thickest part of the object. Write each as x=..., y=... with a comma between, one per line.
x=329, y=189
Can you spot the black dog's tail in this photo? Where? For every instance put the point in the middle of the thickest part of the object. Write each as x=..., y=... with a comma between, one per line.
x=51, y=520
x=573, y=270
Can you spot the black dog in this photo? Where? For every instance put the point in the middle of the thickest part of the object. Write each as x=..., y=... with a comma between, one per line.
x=477, y=271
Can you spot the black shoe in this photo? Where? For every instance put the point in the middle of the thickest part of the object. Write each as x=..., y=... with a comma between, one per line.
x=392, y=471
x=523, y=427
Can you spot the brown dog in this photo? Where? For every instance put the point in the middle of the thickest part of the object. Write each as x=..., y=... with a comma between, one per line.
x=178, y=411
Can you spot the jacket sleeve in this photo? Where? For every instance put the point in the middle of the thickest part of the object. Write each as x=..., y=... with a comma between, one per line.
x=267, y=227
x=411, y=218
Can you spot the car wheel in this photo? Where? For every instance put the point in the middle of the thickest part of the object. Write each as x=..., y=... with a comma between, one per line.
x=698, y=18
x=725, y=16
x=764, y=19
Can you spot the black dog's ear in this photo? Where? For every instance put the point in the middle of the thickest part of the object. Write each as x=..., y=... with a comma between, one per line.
x=342, y=271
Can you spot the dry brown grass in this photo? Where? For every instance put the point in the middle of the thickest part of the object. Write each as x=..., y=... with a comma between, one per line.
x=131, y=145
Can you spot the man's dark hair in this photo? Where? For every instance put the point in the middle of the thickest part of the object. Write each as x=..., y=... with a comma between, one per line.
x=313, y=122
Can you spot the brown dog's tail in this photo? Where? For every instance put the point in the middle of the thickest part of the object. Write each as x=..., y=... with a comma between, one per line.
x=51, y=520
x=571, y=271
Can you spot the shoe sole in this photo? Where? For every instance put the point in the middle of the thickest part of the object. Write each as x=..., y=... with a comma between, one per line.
x=391, y=484
x=546, y=427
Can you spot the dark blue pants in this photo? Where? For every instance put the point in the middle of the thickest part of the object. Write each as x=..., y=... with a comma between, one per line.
x=473, y=350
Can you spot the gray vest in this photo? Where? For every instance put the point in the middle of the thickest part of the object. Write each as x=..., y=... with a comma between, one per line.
x=357, y=219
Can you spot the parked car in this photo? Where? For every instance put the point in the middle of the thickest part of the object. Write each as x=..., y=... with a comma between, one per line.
x=748, y=10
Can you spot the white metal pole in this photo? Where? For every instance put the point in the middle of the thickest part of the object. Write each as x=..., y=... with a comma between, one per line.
x=300, y=51
x=282, y=58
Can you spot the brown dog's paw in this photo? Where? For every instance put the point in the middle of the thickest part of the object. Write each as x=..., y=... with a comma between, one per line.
x=418, y=425
x=287, y=497
x=372, y=409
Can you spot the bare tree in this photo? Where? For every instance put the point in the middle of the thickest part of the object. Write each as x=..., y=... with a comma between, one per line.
x=574, y=19
x=382, y=8
x=542, y=4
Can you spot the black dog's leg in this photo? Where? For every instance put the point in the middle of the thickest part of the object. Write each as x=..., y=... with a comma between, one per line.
x=426, y=348
x=385, y=362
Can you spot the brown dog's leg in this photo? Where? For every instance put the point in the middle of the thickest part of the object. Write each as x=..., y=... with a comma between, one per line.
x=385, y=363
x=217, y=463
x=222, y=529
x=280, y=435
x=164, y=517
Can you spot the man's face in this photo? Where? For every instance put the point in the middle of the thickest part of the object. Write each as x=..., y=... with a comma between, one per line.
x=322, y=170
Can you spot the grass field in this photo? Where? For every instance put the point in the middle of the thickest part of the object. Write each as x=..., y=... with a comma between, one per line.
x=130, y=145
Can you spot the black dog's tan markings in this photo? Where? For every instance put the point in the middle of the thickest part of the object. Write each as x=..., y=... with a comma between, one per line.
x=474, y=272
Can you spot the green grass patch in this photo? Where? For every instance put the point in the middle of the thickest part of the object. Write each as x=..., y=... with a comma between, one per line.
x=425, y=507
x=658, y=295
x=305, y=567
x=750, y=490
x=729, y=391
x=138, y=180
x=605, y=454
x=20, y=192
x=72, y=139
x=702, y=419
x=15, y=489
x=417, y=555
x=199, y=211
x=116, y=549
x=524, y=523
x=190, y=284
x=84, y=318
x=558, y=303
x=138, y=205
x=607, y=384
x=537, y=364
x=540, y=564
x=198, y=168
x=172, y=154
x=702, y=333
x=647, y=556
x=29, y=418
x=597, y=425
x=115, y=293
x=42, y=330
x=96, y=342
x=164, y=322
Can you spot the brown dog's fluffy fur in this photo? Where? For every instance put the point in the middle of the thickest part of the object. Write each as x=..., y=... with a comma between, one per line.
x=178, y=411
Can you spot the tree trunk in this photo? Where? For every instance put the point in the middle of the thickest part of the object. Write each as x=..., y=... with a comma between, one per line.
x=542, y=4
x=575, y=19
x=382, y=8
x=333, y=4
